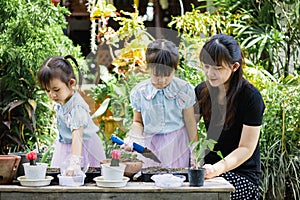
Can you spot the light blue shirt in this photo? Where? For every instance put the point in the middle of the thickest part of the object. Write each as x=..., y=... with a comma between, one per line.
x=72, y=115
x=161, y=109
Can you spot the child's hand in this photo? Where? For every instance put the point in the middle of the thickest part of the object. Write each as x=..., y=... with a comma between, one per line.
x=128, y=144
x=135, y=134
x=72, y=170
x=74, y=166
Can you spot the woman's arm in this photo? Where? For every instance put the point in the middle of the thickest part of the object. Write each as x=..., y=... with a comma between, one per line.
x=190, y=123
x=248, y=142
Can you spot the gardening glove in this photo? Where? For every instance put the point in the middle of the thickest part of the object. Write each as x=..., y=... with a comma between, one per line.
x=74, y=168
x=135, y=134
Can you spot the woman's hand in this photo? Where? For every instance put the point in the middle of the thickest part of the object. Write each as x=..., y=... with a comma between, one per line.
x=210, y=171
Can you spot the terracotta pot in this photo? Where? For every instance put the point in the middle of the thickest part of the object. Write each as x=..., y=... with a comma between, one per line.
x=8, y=168
x=132, y=167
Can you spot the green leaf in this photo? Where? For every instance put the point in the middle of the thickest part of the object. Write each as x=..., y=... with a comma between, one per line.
x=253, y=42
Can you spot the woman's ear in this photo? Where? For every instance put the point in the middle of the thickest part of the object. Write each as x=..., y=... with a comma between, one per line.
x=235, y=66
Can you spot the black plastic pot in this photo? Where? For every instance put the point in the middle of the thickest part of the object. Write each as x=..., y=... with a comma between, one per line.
x=196, y=177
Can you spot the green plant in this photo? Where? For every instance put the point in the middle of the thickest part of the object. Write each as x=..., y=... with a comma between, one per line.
x=267, y=30
x=280, y=133
x=280, y=143
x=115, y=110
x=201, y=147
x=31, y=31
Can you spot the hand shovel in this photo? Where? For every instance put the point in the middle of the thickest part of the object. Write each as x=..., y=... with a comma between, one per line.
x=138, y=148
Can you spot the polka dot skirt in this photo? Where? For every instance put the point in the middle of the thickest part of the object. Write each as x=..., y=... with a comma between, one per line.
x=244, y=189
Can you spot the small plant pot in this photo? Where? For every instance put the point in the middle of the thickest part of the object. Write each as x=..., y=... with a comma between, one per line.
x=132, y=167
x=196, y=177
x=113, y=172
x=37, y=171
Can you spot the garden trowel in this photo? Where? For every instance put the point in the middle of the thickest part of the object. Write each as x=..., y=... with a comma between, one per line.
x=138, y=148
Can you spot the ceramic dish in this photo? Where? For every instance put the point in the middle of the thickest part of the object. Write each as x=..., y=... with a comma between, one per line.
x=100, y=181
x=34, y=182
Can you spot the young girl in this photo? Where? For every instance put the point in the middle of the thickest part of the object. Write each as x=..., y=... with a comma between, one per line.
x=163, y=117
x=78, y=144
x=232, y=110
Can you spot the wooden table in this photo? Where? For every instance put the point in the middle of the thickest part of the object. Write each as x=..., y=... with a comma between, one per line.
x=213, y=189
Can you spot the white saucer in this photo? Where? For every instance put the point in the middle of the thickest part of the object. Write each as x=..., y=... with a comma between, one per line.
x=34, y=182
x=100, y=181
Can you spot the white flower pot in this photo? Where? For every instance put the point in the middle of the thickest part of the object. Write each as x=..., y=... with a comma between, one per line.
x=113, y=172
x=37, y=171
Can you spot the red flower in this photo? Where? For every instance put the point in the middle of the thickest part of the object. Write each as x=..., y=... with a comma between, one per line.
x=115, y=154
x=31, y=156
x=55, y=2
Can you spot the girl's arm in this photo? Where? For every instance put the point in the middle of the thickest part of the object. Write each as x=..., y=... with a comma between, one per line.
x=248, y=142
x=190, y=123
x=77, y=135
x=197, y=117
x=74, y=165
x=137, y=117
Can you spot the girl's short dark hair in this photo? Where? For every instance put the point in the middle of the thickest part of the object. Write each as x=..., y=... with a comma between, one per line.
x=57, y=67
x=162, y=57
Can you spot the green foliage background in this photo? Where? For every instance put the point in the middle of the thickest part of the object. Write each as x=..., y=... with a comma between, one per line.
x=268, y=31
x=31, y=31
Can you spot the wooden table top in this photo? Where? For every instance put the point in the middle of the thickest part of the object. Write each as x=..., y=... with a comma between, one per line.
x=217, y=184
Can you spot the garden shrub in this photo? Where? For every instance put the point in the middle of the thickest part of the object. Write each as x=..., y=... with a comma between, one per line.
x=31, y=31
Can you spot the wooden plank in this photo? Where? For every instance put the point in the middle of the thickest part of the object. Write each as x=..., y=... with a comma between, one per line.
x=108, y=196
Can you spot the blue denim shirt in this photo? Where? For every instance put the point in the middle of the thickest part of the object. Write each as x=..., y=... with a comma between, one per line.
x=161, y=109
x=72, y=115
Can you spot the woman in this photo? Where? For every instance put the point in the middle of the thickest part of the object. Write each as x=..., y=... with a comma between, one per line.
x=232, y=110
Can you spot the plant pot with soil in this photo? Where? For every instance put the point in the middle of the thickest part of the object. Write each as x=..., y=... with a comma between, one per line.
x=133, y=165
x=34, y=170
x=199, y=149
x=113, y=170
x=8, y=168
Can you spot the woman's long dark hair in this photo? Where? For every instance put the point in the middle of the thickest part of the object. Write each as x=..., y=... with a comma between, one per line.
x=222, y=49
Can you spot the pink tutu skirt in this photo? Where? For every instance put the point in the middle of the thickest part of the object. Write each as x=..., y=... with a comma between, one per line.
x=171, y=149
x=92, y=153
